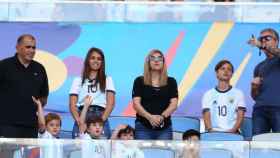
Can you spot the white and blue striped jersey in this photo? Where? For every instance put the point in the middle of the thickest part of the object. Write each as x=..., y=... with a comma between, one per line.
x=223, y=107
x=94, y=148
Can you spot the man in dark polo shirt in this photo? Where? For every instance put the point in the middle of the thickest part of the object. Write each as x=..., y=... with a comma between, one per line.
x=21, y=78
x=265, y=84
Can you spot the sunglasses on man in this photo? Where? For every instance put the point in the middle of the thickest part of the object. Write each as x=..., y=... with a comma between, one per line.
x=265, y=38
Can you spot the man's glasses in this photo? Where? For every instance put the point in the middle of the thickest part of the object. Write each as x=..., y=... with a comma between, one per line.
x=265, y=38
x=156, y=58
x=28, y=47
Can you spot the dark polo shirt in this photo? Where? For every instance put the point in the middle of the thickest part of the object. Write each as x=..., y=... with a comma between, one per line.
x=269, y=69
x=17, y=85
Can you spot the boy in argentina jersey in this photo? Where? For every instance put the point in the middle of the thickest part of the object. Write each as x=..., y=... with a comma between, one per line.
x=92, y=148
x=91, y=134
x=92, y=144
x=223, y=106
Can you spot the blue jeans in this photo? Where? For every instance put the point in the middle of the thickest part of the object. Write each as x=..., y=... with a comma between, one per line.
x=144, y=133
x=94, y=112
x=266, y=119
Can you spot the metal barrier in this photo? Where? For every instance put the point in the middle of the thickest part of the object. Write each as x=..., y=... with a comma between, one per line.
x=137, y=11
x=48, y=148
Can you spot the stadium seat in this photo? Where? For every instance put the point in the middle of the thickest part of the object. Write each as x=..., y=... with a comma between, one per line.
x=263, y=153
x=221, y=136
x=267, y=137
x=181, y=124
x=246, y=128
x=215, y=153
x=158, y=153
x=117, y=120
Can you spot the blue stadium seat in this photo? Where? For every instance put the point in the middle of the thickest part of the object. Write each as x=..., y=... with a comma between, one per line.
x=267, y=137
x=158, y=153
x=215, y=153
x=117, y=120
x=246, y=128
x=221, y=136
x=181, y=124
x=263, y=153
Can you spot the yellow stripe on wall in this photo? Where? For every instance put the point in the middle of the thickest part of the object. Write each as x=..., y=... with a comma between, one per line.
x=208, y=49
x=55, y=68
x=239, y=71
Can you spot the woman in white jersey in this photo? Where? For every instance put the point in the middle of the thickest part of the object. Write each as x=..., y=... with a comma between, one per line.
x=223, y=106
x=96, y=84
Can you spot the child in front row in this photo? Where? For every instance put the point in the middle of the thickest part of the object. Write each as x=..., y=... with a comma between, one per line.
x=125, y=148
x=92, y=127
x=90, y=131
x=49, y=128
x=191, y=148
x=123, y=132
x=49, y=125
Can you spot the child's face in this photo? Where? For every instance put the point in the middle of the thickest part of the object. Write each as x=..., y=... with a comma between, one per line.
x=53, y=127
x=193, y=138
x=95, y=129
x=127, y=136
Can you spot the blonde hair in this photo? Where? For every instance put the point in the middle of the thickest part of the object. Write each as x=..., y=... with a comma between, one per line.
x=147, y=70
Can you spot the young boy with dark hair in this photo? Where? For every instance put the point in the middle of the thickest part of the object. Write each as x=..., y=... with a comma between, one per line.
x=191, y=135
x=94, y=128
x=191, y=148
x=124, y=147
x=91, y=131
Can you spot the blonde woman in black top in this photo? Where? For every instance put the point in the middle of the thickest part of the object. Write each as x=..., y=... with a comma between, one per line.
x=155, y=98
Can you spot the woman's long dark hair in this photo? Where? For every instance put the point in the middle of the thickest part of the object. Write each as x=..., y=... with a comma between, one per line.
x=101, y=76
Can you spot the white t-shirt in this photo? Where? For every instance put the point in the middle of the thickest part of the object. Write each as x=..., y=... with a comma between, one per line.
x=223, y=107
x=127, y=151
x=88, y=88
x=46, y=135
x=94, y=147
x=50, y=148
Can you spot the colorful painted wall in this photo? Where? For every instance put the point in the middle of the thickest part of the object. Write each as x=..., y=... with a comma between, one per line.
x=191, y=49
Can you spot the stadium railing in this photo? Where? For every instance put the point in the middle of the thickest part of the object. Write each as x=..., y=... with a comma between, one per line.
x=138, y=11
